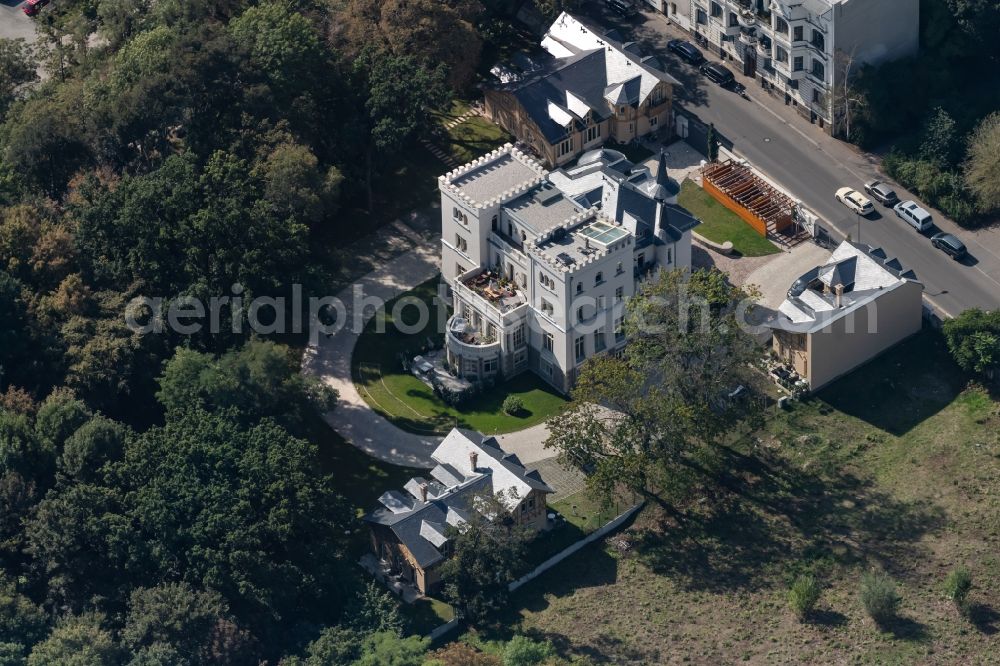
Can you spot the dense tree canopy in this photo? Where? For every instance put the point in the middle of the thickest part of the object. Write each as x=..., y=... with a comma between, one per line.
x=637, y=420
x=973, y=338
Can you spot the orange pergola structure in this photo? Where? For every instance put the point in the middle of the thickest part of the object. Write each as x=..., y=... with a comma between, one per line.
x=756, y=202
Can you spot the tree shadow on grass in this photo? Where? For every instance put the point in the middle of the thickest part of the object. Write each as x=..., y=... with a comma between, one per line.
x=826, y=617
x=762, y=520
x=984, y=618
x=901, y=389
x=905, y=629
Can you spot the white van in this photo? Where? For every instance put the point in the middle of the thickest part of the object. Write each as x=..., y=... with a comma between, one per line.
x=914, y=215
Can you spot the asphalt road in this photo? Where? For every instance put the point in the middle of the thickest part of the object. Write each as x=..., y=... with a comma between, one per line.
x=813, y=166
x=13, y=22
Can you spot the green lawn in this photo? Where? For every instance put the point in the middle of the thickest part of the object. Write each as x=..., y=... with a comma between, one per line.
x=411, y=404
x=474, y=137
x=719, y=224
x=469, y=139
x=895, y=467
x=425, y=615
x=583, y=514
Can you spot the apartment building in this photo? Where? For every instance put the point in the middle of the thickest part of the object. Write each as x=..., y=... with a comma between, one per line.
x=594, y=88
x=540, y=264
x=804, y=51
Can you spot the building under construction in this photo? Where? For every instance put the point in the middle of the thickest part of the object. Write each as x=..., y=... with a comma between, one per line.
x=759, y=204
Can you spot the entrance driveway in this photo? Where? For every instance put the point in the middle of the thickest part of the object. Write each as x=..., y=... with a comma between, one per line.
x=777, y=275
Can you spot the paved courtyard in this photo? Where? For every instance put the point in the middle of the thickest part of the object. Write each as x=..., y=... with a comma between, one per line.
x=774, y=277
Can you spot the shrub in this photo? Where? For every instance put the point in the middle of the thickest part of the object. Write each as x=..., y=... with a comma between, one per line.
x=879, y=596
x=522, y=651
x=957, y=586
x=513, y=404
x=803, y=596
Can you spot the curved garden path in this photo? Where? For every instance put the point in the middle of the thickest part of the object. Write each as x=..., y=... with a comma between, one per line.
x=354, y=419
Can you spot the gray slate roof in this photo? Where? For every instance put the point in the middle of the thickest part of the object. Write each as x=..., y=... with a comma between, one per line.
x=423, y=526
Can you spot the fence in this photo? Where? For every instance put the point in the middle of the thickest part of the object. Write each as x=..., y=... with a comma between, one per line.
x=599, y=533
x=609, y=527
x=442, y=630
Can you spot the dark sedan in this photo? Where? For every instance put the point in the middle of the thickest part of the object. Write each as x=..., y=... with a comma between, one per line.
x=882, y=193
x=718, y=74
x=686, y=51
x=950, y=245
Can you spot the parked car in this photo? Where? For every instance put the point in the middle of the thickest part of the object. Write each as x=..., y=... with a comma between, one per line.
x=32, y=7
x=950, y=244
x=882, y=193
x=686, y=51
x=914, y=215
x=855, y=201
x=621, y=7
x=718, y=74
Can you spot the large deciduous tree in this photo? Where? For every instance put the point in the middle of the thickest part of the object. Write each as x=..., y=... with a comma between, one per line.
x=487, y=554
x=973, y=338
x=399, y=92
x=982, y=165
x=257, y=381
x=244, y=512
x=639, y=419
x=432, y=31
x=17, y=67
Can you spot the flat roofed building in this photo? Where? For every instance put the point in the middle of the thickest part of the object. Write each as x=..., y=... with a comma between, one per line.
x=541, y=266
x=804, y=49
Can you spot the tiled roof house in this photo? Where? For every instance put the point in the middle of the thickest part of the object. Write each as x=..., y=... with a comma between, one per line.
x=410, y=530
x=593, y=89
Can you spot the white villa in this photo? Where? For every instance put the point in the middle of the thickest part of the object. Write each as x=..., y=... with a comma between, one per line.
x=540, y=264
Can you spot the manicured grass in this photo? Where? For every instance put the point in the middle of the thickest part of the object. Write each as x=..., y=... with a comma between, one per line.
x=581, y=514
x=425, y=615
x=411, y=404
x=474, y=137
x=894, y=467
x=719, y=224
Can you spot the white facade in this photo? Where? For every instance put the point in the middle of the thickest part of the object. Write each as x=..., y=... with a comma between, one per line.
x=804, y=50
x=541, y=264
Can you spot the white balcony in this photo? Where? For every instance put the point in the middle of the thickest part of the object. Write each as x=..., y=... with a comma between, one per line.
x=495, y=297
x=465, y=340
x=747, y=18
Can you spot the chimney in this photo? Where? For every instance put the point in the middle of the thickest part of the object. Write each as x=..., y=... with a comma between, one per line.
x=473, y=460
x=839, y=289
x=423, y=491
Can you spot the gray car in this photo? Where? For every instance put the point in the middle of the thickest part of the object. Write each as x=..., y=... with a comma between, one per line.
x=950, y=245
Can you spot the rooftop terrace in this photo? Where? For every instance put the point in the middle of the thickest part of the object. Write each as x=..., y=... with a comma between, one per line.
x=568, y=249
x=542, y=208
x=499, y=175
